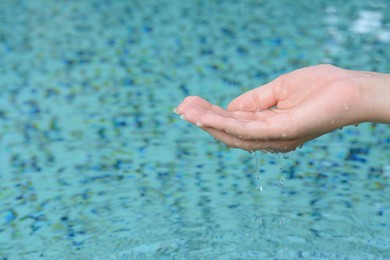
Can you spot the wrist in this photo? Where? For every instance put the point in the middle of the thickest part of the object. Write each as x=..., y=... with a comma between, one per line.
x=374, y=89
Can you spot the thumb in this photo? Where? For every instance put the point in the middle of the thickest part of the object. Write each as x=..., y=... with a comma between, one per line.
x=260, y=98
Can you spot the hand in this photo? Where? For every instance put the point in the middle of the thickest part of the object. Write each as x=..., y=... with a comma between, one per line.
x=285, y=113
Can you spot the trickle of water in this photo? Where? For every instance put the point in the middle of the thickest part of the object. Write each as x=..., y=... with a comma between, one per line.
x=257, y=162
x=258, y=176
x=280, y=162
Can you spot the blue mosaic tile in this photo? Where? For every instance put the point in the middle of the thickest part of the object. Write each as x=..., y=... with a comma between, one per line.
x=94, y=164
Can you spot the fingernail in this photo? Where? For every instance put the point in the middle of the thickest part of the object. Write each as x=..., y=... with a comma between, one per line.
x=175, y=111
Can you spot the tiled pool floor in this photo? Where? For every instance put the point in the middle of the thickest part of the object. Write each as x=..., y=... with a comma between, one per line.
x=94, y=164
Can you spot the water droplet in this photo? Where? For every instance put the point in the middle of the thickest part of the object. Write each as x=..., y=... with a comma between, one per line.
x=282, y=180
x=356, y=125
x=259, y=221
x=294, y=128
x=260, y=188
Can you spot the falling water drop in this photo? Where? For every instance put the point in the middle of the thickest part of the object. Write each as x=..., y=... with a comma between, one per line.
x=259, y=218
x=280, y=162
x=259, y=221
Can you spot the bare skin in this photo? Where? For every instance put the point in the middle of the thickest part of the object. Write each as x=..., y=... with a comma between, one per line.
x=294, y=108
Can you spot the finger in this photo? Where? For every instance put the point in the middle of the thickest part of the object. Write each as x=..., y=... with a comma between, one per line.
x=265, y=145
x=233, y=141
x=202, y=106
x=258, y=99
x=197, y=100
x=194, y=101
x=192, y=111
x=191, y=100
x=274, y=126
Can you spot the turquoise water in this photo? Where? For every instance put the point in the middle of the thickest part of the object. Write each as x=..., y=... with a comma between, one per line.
x=94, y=164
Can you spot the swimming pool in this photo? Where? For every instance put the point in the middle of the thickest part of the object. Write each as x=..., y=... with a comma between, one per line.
x=94, y=164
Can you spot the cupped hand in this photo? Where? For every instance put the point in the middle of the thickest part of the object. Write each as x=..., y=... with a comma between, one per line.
x=283, y=114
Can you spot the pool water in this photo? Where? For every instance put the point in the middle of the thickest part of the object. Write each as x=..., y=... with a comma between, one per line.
x=95, y=165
